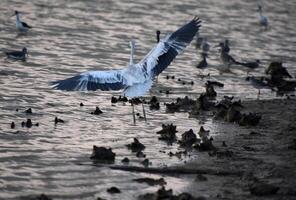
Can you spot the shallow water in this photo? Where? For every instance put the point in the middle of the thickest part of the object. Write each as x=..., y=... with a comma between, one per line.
x=70, y=37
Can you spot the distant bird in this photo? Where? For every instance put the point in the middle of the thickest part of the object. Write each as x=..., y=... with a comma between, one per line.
x=263, y=21
x=277, y=71
x=203, y=63
x=226, y=47
x=21, y=26
x=198, y=42
x=205, y=46
x=18, y=55
x=136, y=79
x=157, y=36
x=226, y=59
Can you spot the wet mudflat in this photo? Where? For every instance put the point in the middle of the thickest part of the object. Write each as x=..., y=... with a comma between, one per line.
x=70, y=37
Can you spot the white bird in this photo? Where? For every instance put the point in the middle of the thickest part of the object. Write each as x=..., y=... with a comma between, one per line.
x=262, y=19
x=136, y=79
x=21, y=26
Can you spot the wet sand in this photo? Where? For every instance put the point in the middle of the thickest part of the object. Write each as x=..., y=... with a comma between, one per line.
x=261, y=154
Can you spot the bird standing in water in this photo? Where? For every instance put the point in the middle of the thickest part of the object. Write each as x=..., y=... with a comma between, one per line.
x=263, y=21
x=18, y=55
x=21, y=26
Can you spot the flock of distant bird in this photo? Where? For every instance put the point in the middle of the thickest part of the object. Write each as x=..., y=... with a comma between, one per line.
x=137, y=78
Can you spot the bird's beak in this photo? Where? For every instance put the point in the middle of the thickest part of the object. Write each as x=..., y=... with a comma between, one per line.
x=12, y=15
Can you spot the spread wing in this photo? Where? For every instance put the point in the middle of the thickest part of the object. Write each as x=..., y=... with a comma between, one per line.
x=93, y=80
x=166, y=50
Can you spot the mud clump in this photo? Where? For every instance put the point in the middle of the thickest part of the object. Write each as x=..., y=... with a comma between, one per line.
x=102, y=154
x=168, y=133
x=97, y=111
x=154, y=103
x=151, y=181
x=172, y=107
x=136, y=146
x=188, y=139
x=29, y=111
x=163, y=194
x=205, y=144
x=113, y=190
x=125, y=160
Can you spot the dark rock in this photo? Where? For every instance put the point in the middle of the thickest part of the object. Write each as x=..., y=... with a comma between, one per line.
x=23, y=124
x=168, y=133
x=172, y=107
x=113, y=190
x=154, y=103
x=114, y=100
x=97, y=111
x=167, y=92
x=102, y=154
x=140, y=154
x=146, y=162
x=12, y=125
x=210, y=91
x=250, y=119
x=125, y=160
x=81, y=104
x=188, y=138
x=150, y=181
x=37, y=124
x=233, y=115
x=43, y=197
x=58, y=120
x=277, y=70
x=29, y=123
x=262, y=189
x=136, y=146
x=28, y=111
x=122, y=99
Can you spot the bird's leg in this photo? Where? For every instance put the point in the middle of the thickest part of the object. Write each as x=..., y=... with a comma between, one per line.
x=132, y=45
x=144, y=113
x=133, y=112
x=258, y=94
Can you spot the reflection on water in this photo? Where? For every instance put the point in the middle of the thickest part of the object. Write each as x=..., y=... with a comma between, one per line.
x=70, y=37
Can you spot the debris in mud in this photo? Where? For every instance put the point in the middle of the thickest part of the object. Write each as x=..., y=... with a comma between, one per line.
x=12, y=125
x=146, y=162
x=102, y=154
x=28, y=111
x=113, y=190
x=210, y=91
x=58, y=120
x=172, y=107
x=262, y=189
x=135, y=101
x=150, y=181
x=188, y=139
x=185, y=103
x=168, y=133
x=136, y=146
x=154, y=103
x=163, y=194
x=125, y=160
x=140, y=154
x=114, y=99
x=250, y=119
x=97, y=111
x=28, y=123
x=178, y=154
x=205, y=144
x=119, y=99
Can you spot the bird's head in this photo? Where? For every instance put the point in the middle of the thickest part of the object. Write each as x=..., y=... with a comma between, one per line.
x=25, y=51
x=157, y=35
x=16, y=13
x=259, y=8
x=132, y=44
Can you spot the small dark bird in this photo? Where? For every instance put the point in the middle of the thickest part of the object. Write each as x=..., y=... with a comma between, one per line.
x=203, y=63
x=157, y=36
x=29, y=123
x=114, y=100
x=81, y=104
x=97, y=111
x=58, y=120
x=277, y=70
x=18, y=55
